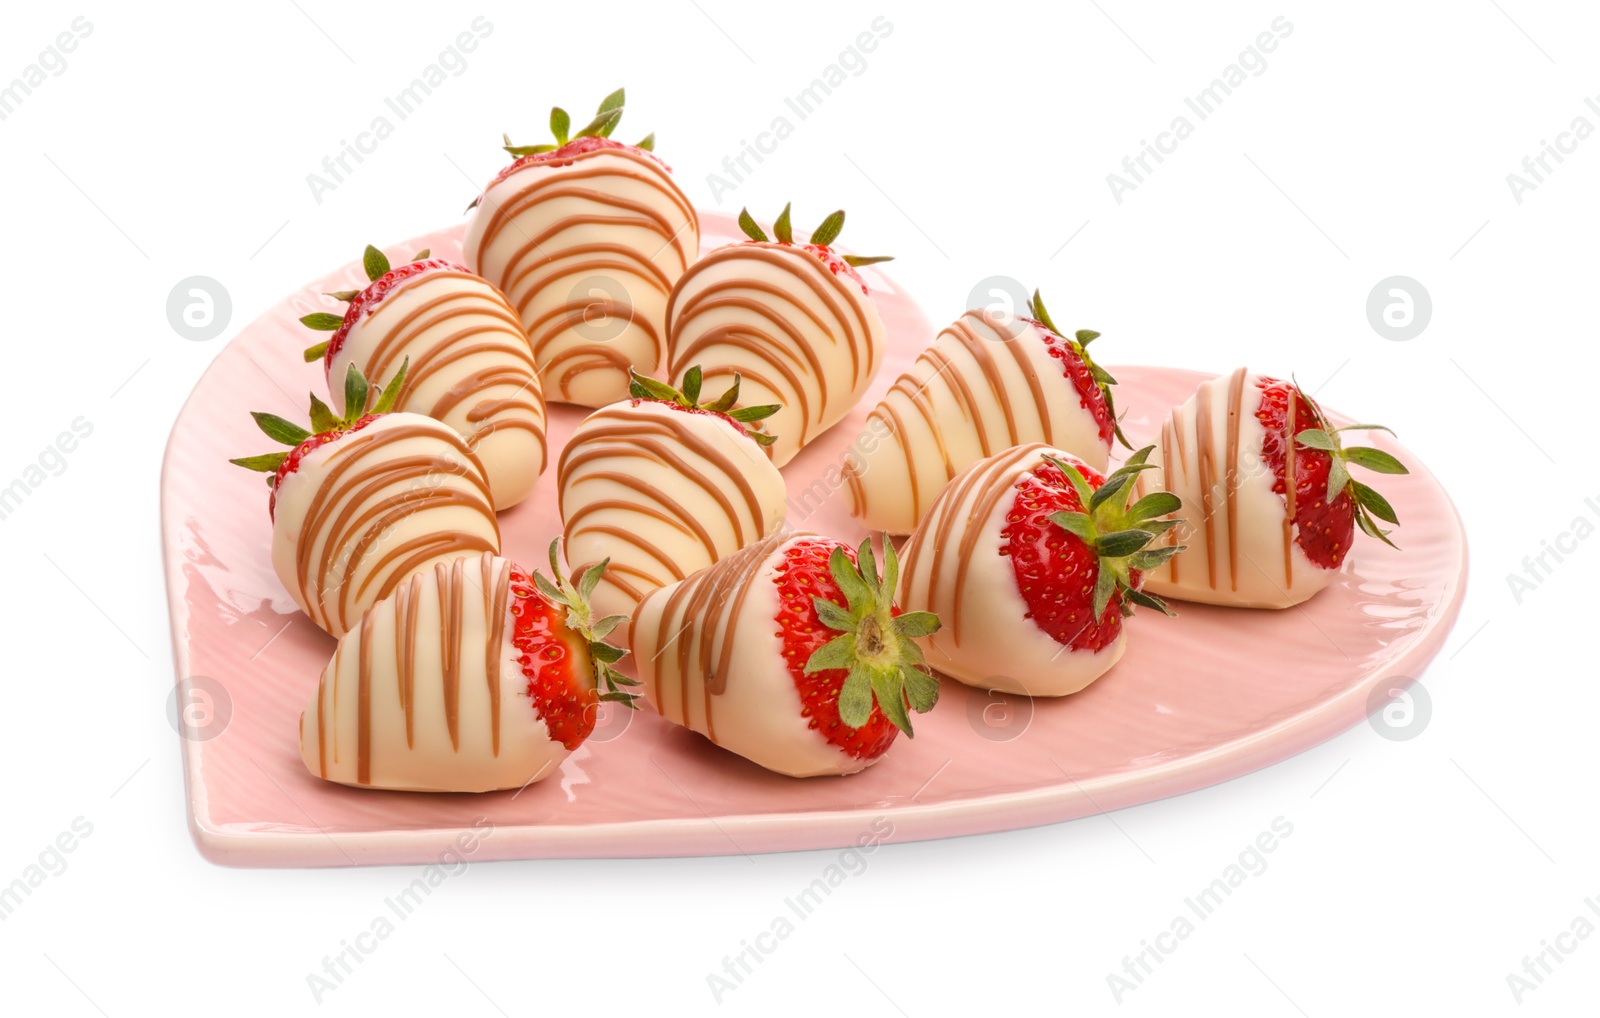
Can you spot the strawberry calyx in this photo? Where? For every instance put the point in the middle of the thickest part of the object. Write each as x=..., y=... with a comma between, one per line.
x=571, y=594
x=1119, y=534
x=1370, y=506
x=383, y=280
x=1078, y=344
x=819, y=244
x=326, y=426
x=877, y=646
x=687, y=399
x=594, y=136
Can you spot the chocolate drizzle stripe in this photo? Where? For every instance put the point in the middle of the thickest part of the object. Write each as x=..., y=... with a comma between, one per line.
x=1235, y=411
x=364, y=700
x=497, y=588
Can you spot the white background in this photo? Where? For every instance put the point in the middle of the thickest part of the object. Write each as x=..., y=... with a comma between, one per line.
x=975, y=142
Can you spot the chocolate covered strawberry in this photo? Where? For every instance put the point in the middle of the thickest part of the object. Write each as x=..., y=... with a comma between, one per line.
x=988, y=382
x=664, y=484
x=586, y=237
x=792, y=317
x=364, y=499
x=1033, y=559
x=471, y=365
x=1272, y=503
x=473, y=675
x=790, y=653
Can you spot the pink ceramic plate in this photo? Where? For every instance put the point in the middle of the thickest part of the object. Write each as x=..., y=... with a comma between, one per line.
x=1199, y=699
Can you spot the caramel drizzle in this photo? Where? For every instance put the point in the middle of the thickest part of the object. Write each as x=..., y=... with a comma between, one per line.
x=712, y=607
x=532, y=265
x=983, y=486
x=601, y=450
x=943, y=369
x=495, y=586
x=768, y=340
x=1209, y=476
x=351, y=525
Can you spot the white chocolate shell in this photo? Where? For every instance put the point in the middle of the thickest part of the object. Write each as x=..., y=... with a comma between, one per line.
x=367, y=510
x=587, y=250
x=662, y=493
x=986, y=384
x=711, y=659
x=798, y=335
x=1242, y=545
x=425, y=693
x=470, y=367
x=953, y=565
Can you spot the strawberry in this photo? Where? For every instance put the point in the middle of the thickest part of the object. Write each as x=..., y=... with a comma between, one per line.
x=664, y=484
x=361, y=303
x=425, y=693
x=988, y=382
x=1035, y=559
x=472, y=366
x=818, y=245
x=791, y=653
x=365, y=500
x=564, y=655
x=1269, y=479
x=326, y=429
x=614, y=232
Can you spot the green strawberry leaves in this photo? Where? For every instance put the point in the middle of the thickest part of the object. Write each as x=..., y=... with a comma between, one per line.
x=357, y=394
x=1370, y=507
x=375, y=262
x=823, y=236
x=572, y=594
x=1079, y=343
x=877, y=647
x=606, y=118
x=1118, y=533
x=645, y=387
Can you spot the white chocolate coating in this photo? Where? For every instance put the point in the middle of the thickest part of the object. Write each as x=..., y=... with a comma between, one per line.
x=662, y=493
x=426, y=695
x=587, y=250
x=953, y=565
x=797, y=334
x=1242, y=546
x=367, y=510
x=986, y=384
x=710, y=658
x=470, y=367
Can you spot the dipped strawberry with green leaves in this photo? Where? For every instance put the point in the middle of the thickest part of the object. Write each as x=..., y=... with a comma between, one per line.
x=791, y=653
x=989, y=381
x=474, y=675
x=1274, y=476
x=364, y=498
x=586, y=236
x=471, y=366
x=1035, y=560
x=791, y=315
